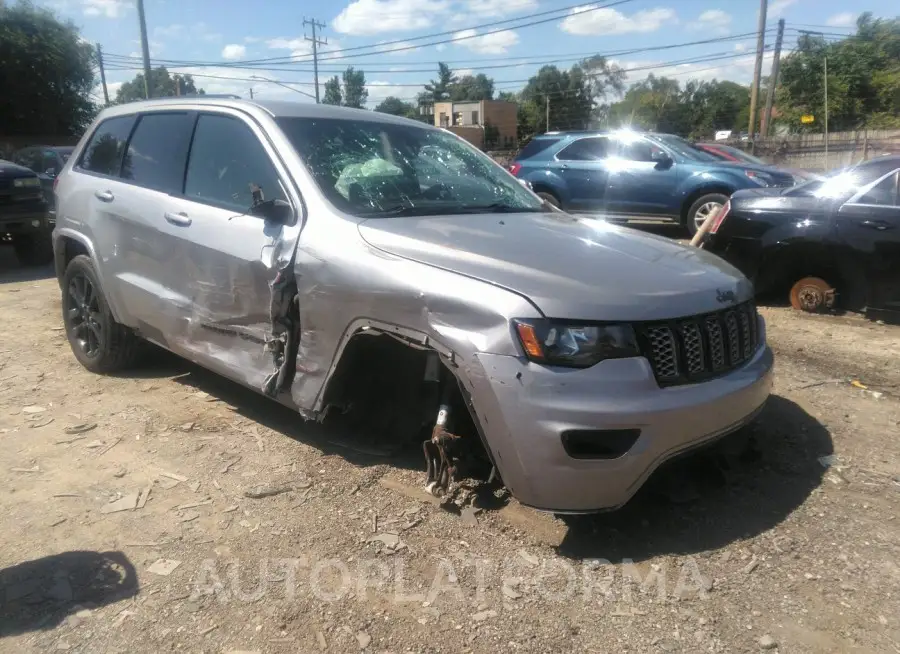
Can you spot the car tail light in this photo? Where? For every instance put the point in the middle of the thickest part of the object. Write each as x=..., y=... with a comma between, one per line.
x=720, y=217
x=514, y=168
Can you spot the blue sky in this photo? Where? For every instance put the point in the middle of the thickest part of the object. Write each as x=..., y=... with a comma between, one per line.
x=216, y=35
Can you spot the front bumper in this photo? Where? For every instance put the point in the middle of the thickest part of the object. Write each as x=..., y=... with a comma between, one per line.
x=525, y=408
x=26, y=223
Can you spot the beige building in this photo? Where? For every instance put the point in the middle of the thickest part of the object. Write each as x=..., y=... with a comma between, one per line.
x=487, y=124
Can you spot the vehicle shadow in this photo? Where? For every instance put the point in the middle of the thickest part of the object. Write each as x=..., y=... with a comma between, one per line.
x=12, y=271
x=40, y=594
x=738, y=488
x=355, y=446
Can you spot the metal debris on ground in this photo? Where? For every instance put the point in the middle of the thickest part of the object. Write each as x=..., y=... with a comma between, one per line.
x=126, y=503
x=31, y=410
x=93, y=445
x=172, y=475
x=259, y=492
x=858, y=384
x=188, y=426
x=80, y=428
x=750, y=567
x=119, y=473
x=194, y=486
x=230, y=509
x=390, y=540
x=468, y=516
x=530, y=559
x=767, y=642
x=481, y=616
x=208, y=630
x=193, y=515
x=163, y=567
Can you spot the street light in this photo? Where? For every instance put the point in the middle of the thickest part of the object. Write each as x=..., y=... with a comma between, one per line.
x=266, y=79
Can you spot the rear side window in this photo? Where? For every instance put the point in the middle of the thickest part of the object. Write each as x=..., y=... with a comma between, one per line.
x=104, y=151
x=592, y=149
x=157, y=151
x=229, y=167
x=536, y=146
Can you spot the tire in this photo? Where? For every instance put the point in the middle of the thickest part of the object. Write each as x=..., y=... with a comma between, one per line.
x=549, y=197
x=703, y=205
x=34, y=249
x=812, y=294
x=98, y=342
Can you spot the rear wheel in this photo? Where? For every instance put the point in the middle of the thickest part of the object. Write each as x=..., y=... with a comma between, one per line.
x=702, y=208
x=549, y=197
x=811, y=294
x=33, y=249
x=98, y=342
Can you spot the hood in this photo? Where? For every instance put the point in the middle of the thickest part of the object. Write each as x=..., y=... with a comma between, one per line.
x=583, y=269
x=10, y=170
x=778, y=200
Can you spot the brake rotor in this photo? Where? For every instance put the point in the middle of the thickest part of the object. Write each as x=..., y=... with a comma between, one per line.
x=812, y=294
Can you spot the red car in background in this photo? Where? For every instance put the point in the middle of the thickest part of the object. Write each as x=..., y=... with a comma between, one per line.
x=730, y=153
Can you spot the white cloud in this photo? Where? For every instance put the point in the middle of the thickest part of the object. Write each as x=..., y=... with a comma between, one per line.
x=365, y=17
x=497, y=8
x=496, y=43
x=587, y=20
x=740, y=47
x=233, y=51
x=713, y=21
x=846, y=19
x=203, y=32
x=299, y=46
x=463, y=72
x=155, y=47
x=251, y=39
x=738, y=70
x=107, y=8
x=778, y=7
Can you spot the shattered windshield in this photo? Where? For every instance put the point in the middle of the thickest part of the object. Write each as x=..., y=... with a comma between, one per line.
x=373, y=169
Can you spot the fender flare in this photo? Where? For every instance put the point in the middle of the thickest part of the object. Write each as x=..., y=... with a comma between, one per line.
x=59, y=263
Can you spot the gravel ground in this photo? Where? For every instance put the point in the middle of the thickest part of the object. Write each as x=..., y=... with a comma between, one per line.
x=255, y=532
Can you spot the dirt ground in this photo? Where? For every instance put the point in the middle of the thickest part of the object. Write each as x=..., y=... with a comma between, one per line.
x=791, y=546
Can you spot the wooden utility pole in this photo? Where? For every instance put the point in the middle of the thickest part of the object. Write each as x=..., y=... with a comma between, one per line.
x=315, y=48
x=102, y=74
x=773, y=81
x=145, y=47
x=547, y=98
x=757, y=71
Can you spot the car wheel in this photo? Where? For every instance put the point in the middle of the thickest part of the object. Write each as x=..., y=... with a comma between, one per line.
x=703, y=208
x=33, y=249
x=99, y=343
x=549, y=197
x=812, y=294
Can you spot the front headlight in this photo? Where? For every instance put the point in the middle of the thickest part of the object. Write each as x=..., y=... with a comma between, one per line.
x=760, y=178
x=566, y=343
x=26, y=182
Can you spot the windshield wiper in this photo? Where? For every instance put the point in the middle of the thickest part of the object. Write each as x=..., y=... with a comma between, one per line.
x=497, y=207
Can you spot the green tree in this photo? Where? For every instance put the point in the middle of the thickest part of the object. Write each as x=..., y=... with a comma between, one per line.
x=332, y=91
x=162, y=85
x=355, y=92
x=863, y=78
x=396, y=107
x=439, y=89
x=46, y=75
x=472, y=88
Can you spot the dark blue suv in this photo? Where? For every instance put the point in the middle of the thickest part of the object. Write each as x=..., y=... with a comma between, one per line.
x=628, y=175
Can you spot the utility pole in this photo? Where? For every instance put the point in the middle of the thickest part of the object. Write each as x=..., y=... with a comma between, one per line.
x=547, y=98
x=757, y=70
x=102, y=74
x=773, y=80
x=826, y=112
x=251, y=92
x=145, y=47
x=177, y=86
x=315, y=48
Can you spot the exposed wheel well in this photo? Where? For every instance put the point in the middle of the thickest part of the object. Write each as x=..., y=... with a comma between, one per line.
x=794, y=262
x=68, y=249
x=540, y=187
x=693, y=197
x=379, y=389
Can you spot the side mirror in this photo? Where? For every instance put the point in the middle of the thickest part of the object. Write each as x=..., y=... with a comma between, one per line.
x=275, y=211
x=50, y=172
x=661, y=159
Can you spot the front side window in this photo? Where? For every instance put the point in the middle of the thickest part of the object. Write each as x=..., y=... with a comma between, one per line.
x=639, y=150
x=157, y=152
x=103, y=154
x=229, y=167
x=684, y=148
x=592, y=149
x=374, y=169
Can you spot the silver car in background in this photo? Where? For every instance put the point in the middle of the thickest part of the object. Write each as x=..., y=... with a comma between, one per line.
x=384, y=275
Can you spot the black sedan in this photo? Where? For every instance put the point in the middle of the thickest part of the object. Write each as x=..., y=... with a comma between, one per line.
x=828, y=242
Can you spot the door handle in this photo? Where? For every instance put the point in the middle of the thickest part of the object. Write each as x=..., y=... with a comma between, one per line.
x=880, y=225
x=181, y=219
x=104, y=196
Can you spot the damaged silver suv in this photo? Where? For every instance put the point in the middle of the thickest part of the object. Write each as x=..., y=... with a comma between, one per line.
x=386, y=276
